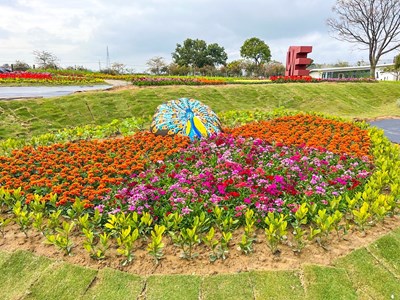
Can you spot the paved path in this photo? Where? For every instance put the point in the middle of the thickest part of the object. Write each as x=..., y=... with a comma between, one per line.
x=26, y=92
x=117, y=82
x=391, y=128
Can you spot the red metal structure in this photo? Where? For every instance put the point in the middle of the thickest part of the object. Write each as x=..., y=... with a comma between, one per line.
x=297, y=61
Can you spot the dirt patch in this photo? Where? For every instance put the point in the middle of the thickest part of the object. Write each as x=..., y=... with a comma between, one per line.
x=261, y=259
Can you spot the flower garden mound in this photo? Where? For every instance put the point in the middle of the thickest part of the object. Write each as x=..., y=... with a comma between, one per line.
x=253, y=197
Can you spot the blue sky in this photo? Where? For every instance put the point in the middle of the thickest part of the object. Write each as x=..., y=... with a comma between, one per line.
x=78, y=31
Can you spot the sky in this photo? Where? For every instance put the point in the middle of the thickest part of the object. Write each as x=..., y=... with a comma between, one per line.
x=78, y=32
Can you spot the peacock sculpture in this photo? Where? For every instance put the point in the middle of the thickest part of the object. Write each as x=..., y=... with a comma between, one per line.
x=186, y=117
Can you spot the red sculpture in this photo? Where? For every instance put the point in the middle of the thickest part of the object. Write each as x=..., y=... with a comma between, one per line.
x=297, y=61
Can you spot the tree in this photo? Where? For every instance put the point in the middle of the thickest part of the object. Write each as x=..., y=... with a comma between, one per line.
x=341, y=64
x=374, y=24
x=196, y=54
x=157, y=65
x=396, y=61
x=235, y=68
x=45, y=59
x=395, y=69
x=175, y=69
x=256, y=50
x=216, y=55
x=20, y=66
x=274, y=68
x=118, y=68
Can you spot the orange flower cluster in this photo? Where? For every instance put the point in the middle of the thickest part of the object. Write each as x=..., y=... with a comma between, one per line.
x=85, y=169
x=312, y=131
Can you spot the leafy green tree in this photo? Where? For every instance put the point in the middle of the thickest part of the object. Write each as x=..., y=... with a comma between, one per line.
x=397, y=62
x=235, y=68
x=196, y=54
x=216, y=55
x=175, y=69
x=394, y=69
x=256, y=50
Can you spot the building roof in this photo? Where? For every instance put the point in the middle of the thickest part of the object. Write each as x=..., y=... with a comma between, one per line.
x=355, y=68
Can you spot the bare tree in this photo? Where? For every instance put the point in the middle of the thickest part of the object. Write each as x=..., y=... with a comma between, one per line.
x=375, y=24
x=45, y=59
x=118, y=68
x=157, y=65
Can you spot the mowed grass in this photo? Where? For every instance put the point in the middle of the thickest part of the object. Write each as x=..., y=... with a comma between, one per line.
x=328, y=283
x=24, y=118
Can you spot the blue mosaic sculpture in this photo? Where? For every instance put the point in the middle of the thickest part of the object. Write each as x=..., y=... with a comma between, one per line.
x=186, y=117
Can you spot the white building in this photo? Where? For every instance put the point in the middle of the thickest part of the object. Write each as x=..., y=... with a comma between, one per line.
x=354, y=72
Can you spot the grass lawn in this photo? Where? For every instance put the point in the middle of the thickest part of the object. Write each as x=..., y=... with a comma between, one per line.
x=174, y=287
x=232, y=286
x=328, y=283
x=277, y=285
x=114, y=284
x=20, y=271
x=369, y=276
x=24, y=118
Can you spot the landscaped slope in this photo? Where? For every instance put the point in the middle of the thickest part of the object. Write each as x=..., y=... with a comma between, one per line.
x=23, y=118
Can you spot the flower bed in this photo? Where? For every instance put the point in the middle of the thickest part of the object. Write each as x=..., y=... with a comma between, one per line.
x=288, y=79
x=44, y=78
x=157, y=81
x=238, y=174
x=297, y=177
x=84, y=169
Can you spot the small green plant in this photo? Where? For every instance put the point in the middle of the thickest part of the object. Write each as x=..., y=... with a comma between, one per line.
x=38, y=221
x=76, y=209
x=275, y=231
x=224, y=245
x=97, y=250
x=298, y=231
x=116, y=223
x=144, y=227
x=63, y=237
x=155, y=247
x=126, y=240
x=246, y=244
x=37, y=204
x=54, y=220
x=362, y=215
x=223, y=221
x=186, y=240
x=380, y=207
x=325, y=223
x=83, y=222
x=6, y=200
x=22, y=217
x=172, y=221
x=3, y=224
x=201, y=222
x=212, y=243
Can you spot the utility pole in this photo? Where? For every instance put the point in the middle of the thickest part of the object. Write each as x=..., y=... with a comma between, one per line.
x=108, y=59
x=99, y=66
